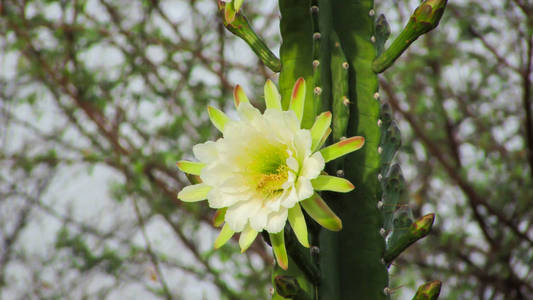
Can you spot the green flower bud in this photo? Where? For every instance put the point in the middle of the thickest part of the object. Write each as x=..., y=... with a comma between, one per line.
x=428, y=291
x=286, y=286
x=427, y=15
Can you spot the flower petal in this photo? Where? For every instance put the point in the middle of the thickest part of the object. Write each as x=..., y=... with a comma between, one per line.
x=239, y=96
x=272, y=96
x=217, y=117
x=225, y=234
x=292, y=163
x=298, y=98
x=278, y=245
x=205, y=152
x=312, y=166
x=342, y=148
x=259, y=221
x=321, y=213
x=304, y=188
x=321, y=125
x=238, y=214
x=247, y=237
x=248, y=112
x=218, y=199
x=290, y=181
x=190, y=167
x=290, y=197
x=276, y=221
x=302, y=144
x=297, y=221
x=193, y=193
x=332, y=183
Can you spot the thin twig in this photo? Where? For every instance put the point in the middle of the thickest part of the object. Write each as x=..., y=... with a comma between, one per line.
x=526, y=101
x=151, y=254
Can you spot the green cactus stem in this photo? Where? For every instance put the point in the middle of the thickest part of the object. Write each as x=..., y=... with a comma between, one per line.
x=296, y=54
x=428, y=291
x=351, y=259
x=419, y=229
x=317, y=87
x=424, y=19
x=302, y=257
x=338, y=47
x=241, y=28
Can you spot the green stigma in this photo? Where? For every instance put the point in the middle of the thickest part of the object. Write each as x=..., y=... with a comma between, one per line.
x=270, y=184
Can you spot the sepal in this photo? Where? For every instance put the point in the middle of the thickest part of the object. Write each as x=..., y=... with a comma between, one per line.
x=342, y=148
x=332, y=183
x=217, y=117
x=272, y=96
x=239, y=96
x=225, y=234
x=298, y=98
x=278, y=246
x=247, y=237
x=190, y=167
x=297, y=221
x=321, y=213
x=218, y=218
x=319, y=129
x=194, y=193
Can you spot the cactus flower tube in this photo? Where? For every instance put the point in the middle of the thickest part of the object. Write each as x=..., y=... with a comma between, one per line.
x=265, y=169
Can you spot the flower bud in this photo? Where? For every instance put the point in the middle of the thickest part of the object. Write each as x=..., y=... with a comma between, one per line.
x=427, y=15
x=428, y=291
x=286, y=286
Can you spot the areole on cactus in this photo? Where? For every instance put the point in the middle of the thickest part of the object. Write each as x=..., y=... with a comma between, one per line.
x=266, y=168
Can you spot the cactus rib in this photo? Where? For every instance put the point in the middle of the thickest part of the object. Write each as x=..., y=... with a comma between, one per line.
x=340, y=91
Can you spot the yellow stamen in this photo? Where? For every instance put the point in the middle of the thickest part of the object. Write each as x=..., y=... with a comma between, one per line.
x=270, y=184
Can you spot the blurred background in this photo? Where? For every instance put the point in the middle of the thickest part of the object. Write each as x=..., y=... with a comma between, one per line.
x=100, y=98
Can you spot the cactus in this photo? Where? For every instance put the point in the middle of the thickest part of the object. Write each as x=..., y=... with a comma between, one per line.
x=338, y=48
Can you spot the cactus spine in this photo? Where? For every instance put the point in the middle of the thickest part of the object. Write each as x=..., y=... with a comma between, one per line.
x=339, y=48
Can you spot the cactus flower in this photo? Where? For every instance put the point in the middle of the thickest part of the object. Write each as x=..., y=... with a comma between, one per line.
x=265, y=168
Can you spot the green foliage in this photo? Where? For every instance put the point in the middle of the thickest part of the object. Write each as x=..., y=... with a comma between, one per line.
x=99, y=101
x=83, y=258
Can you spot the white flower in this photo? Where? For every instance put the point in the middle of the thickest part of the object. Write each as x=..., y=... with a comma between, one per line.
x=264, y=167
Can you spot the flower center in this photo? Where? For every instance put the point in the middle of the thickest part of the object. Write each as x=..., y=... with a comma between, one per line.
x=270, y=184
x=265, y=162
